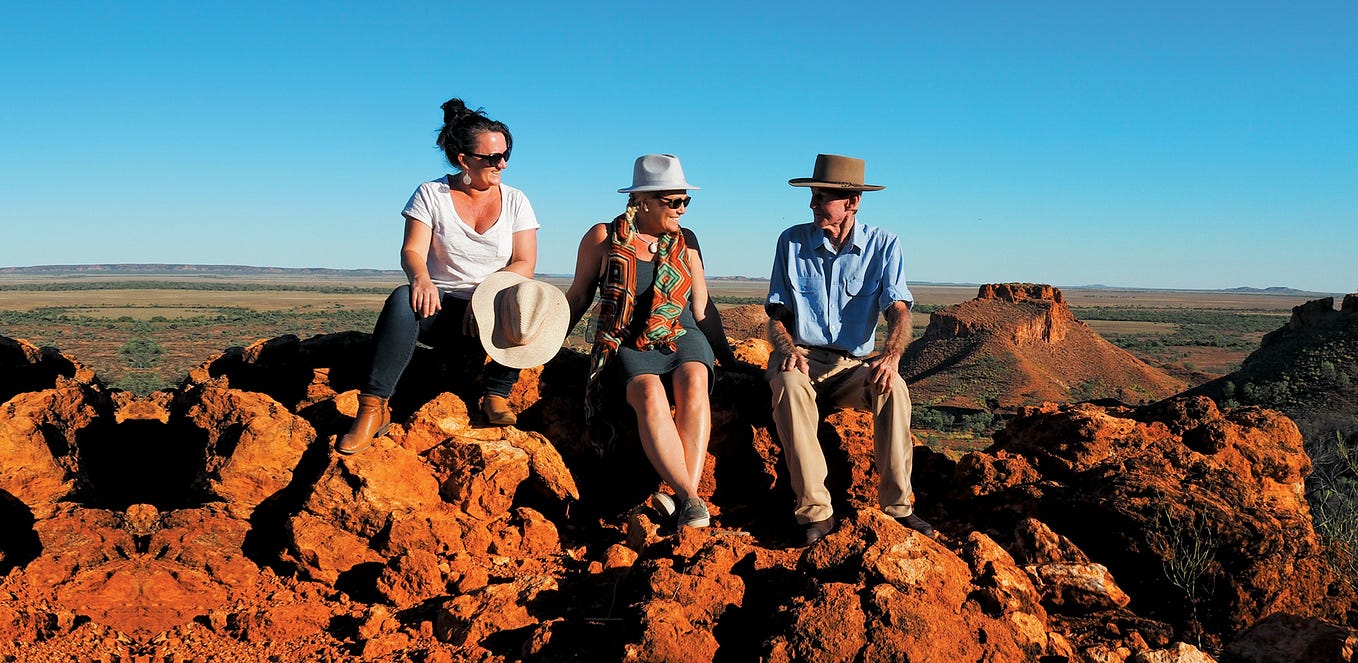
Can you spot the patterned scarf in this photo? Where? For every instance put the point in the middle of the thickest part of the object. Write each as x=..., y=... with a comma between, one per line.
x=617, y=299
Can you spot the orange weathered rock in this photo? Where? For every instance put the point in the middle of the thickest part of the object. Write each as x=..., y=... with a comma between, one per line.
x=448, y=541
x=442, y=429
x=410, y=578
x=32, y=426
x=1137, y=487
x=131, y=407
x=25, y=367
x=745, y=322
x=254, y=444
x=356, y=499
x=469, y=619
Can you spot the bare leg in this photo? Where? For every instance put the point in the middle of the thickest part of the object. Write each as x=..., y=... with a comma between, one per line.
x=659, y=436
x=693, y=416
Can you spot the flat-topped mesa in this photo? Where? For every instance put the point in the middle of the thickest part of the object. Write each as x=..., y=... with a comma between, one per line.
x=1019, y=343
x=1020, y=292
x=1028, y=313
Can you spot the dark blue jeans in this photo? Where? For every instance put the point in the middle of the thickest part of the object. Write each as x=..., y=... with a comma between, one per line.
x=398, y=330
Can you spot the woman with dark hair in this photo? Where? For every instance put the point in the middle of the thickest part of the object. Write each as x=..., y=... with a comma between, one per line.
x=655, y=319
x=459, y=229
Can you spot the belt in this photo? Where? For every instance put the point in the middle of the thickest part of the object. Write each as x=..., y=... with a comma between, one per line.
x=833, y=351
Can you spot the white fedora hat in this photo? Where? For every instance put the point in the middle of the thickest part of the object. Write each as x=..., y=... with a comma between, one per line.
x=521, y=322
x=657, y=172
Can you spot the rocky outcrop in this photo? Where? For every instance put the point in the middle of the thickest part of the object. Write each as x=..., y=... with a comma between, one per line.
x=1307, y=368
x=25, y=367
x=1199, y=513
x=1283, y=638
x=1019, y=344
x=47, y=400
x=253, y=444
x=451, y=541
x=749, y=321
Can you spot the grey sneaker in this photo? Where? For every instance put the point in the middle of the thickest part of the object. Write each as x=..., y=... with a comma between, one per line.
x=694, y=513
x=663, y=505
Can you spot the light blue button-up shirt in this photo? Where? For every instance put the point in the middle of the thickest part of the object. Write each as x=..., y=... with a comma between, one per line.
x=836, y=296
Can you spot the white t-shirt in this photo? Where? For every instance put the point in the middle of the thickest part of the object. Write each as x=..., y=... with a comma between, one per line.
x=459, y=258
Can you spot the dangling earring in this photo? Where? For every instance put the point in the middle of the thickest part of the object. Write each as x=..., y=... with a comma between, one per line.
x=466, y=179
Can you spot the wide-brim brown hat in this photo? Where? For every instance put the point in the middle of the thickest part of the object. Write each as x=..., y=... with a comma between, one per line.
x=521, y=322
x=836, y=172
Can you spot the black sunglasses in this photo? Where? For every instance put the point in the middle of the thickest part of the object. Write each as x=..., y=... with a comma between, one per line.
x=675, y=203
x=492, y=159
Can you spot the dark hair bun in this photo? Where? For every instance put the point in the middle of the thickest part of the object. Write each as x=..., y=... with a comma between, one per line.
x=454, y=110
x=462, y=126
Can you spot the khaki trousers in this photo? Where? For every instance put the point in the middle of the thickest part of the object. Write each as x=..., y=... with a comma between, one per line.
x=840, y=382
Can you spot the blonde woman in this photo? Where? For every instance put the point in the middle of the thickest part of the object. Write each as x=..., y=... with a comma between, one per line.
x=655, y=323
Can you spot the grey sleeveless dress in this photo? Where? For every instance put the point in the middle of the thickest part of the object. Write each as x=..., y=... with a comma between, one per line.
x=692, y=346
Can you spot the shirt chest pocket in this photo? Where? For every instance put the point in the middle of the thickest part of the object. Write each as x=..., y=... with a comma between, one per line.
x=810, y=289
x=861, y=285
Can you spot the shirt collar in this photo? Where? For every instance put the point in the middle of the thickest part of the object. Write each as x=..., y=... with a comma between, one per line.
x=856, y=243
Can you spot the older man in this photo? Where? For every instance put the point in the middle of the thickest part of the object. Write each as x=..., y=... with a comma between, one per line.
x=831, y=278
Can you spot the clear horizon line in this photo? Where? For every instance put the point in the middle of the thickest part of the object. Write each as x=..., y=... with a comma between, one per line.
x=371, y=270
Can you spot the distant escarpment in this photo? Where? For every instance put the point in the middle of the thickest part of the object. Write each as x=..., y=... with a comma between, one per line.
x=1019, y=344
x=215, y=521
x=1308, y=368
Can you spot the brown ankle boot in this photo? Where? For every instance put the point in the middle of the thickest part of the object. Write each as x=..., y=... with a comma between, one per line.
x=497, y=411
x=374, y=418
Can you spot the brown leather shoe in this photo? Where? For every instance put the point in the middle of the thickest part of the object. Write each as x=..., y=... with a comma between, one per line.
x=497, y=411
x=374, y=418
x=918, y=524
x=815, y=531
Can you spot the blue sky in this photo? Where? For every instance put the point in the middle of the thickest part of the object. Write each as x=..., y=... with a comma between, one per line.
x=1179, y=145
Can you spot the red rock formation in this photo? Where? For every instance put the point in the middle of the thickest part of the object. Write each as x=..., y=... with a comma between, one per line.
x=1019, y=344
x=1140, y=490
x=26, y=367
x=742, y=322
x=448, y=541
x=253, y=444
x=30, y=471
x=1308, y=368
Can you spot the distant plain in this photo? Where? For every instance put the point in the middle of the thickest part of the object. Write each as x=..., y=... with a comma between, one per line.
x=147, y=331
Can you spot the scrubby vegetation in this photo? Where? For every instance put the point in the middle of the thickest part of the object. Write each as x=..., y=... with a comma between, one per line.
x=1332, y=492
x=1189, y=553
x=941, y=420
x=143, y=355
x=737, y=301
x=1212, y=328
x=218, y=286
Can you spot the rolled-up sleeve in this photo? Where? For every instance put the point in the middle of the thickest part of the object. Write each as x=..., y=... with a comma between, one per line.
x=779, y=286
x=894, y=288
